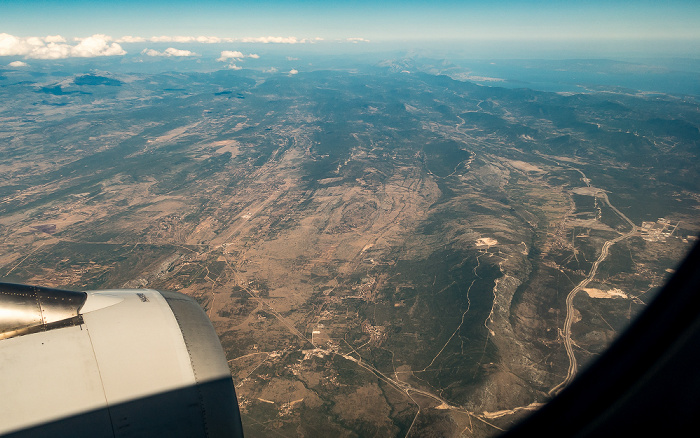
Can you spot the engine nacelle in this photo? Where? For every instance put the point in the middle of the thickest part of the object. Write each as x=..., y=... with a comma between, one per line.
x=112, y=363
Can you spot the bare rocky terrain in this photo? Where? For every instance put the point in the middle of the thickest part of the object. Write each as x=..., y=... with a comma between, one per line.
x=381, y=253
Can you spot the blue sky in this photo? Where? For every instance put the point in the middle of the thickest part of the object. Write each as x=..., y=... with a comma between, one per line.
x=507, y=28
x=375, y=20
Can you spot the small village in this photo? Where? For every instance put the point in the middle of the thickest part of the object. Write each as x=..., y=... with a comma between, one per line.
x=658, y=231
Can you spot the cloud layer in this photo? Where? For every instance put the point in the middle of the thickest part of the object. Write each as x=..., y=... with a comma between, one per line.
x=235, y=55
x=218, y=40
x=168, y=53
x=56, y=47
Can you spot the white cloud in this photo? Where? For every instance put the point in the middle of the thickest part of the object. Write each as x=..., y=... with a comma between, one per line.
x=35, y=41
x=211, y=39
x=96, y=45
x=10, y=45
x=169, y=52
x=171, y=39
x=217, y=40
x=18, y=64
x=49, y=51
x=161, y=39
x=356, y=40
x=293, y=71
x=188, y=39
x=106, y=38
x=270, y=70
x=131, y=39
x=235, y=55
x=233, y=67
x=231, y=54
x=273, y=39
x=55, y=47
x=54, y=39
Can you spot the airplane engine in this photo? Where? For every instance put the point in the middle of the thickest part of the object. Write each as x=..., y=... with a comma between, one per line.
x=111, y=363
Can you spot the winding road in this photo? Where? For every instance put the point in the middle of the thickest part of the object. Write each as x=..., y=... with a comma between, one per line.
x=605, y=250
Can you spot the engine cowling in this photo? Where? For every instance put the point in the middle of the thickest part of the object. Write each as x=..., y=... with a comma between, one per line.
x=113, y=363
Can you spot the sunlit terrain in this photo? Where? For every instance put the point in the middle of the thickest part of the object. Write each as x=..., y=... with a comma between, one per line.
x=390, y=247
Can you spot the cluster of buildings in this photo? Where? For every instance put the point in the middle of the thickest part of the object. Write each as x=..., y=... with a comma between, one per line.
x=657, y=231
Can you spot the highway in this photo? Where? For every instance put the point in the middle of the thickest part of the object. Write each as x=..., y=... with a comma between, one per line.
x=605, y=250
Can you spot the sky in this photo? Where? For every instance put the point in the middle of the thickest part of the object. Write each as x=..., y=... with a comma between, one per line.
x=671, y=23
